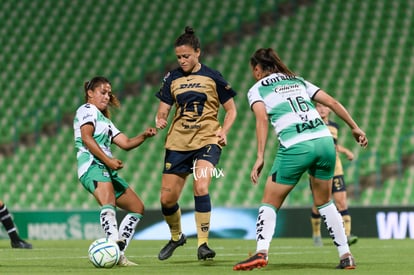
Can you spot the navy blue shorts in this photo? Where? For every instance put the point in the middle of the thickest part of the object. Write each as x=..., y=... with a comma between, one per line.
x=338, y=184
x=182, y=162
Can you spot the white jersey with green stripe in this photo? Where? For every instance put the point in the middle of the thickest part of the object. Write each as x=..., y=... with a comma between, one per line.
x=103, y=134
x=288, y=104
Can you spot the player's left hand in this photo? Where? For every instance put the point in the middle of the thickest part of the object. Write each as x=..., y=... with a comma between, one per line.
x=222, y=138
x=160, y=123
x=360, y=137
x=349, y=155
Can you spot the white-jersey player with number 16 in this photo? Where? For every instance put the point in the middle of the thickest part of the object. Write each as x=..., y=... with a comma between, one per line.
x=306, y=145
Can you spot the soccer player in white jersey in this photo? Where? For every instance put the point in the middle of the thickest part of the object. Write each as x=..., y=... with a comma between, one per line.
x=97, y=168
x=305, y=144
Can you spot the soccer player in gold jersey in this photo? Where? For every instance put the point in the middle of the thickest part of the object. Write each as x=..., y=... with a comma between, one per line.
x=195, y=138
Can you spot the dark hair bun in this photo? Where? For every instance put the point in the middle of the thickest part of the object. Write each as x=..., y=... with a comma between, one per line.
x=189, y=30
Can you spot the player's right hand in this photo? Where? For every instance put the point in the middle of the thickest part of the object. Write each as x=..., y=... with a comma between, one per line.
x=256, y=170
x=150, y=132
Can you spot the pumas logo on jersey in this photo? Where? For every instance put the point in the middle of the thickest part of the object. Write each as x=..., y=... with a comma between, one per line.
x=168, y=166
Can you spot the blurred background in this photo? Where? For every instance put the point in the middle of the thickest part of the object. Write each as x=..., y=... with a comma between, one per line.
x=359, y=51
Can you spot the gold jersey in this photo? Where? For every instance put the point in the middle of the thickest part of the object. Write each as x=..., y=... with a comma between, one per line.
x=334, y=129
x=197, y=98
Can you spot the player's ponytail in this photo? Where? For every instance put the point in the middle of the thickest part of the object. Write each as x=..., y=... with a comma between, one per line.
x=269, y=61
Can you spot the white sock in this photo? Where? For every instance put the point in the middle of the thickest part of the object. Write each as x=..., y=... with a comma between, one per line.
x=265, y=227
x=108, y=222
x=335, y=226
x=127, y=227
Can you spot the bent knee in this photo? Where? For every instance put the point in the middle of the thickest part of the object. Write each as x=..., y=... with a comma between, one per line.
x=168, y=201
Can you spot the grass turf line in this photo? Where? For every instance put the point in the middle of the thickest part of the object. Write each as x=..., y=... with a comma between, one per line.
x=287, y=256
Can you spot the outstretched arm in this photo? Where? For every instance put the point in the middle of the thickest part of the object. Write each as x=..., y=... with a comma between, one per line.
x=127, y=143
x=336, y=106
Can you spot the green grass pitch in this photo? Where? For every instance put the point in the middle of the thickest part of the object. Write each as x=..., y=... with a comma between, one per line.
x=287, y=256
